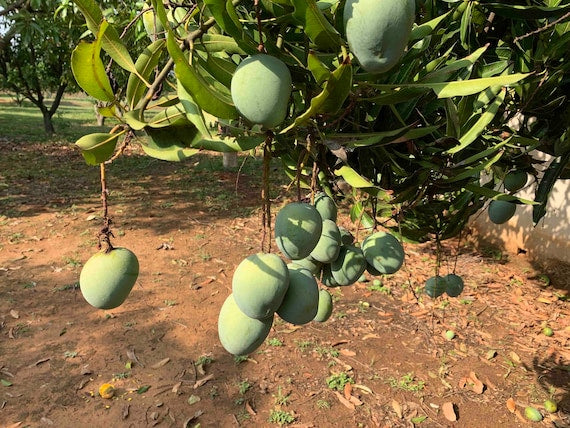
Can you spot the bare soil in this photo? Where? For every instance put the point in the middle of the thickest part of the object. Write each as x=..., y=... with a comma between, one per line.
x=190, y=225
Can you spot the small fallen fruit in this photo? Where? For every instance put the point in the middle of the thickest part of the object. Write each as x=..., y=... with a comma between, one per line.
x=532, y=414
x=547, y=331
x=106, y=390
x=449, y=334
x=550, y=406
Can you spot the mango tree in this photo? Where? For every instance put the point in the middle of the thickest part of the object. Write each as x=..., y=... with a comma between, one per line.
x=414, y=111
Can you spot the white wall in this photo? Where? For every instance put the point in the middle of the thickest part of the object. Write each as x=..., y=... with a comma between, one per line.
x=550, y=239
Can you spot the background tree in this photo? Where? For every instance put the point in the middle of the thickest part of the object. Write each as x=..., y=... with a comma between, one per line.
x=475, y=92
x=36, y=44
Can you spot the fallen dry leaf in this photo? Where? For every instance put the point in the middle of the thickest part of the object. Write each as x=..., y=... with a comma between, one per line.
x=133, y=357
x=14, y=314
x=347, y=353
x=397, y=408
x=14, y=425
x=449, y=411
x=176, y=387
x=125, y=412
x=160, y=363
x=250, y=409
x=347, y=391
x=355, y=401
x=202, y=381
x=344, y=401
x=477, y=386
x=511, y=405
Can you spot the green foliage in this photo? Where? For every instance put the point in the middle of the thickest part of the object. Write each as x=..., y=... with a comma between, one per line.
x=480, y=89
x=281, y=417
x=337, y=381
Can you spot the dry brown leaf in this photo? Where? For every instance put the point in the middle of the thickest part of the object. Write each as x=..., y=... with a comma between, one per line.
x=202, y=381
x=133, y=357
x=14, y=425
x=449, y=411
x=344, y=401
x=347, y=391
x=176, y=387
x=397, y=408
x=11, y=333
x=40, y=361
x=355, y=401
x=14, y=314
x=477, y=386
x=514, y=356
x=363, y=388
x=250, y=409
x=511, y=405
x=371, y=336
x=347, y=353
x=160, y=363
x=125, y=412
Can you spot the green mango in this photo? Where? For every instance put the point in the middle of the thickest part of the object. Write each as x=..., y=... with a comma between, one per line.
x=301, y=301
x=345, y=236
x=532, y=414
x=383, y=252
x=501, y=211
x=238, y=333
x=327, y=277
x=454, y=285
x=435, y=286
x=325, y=206
x=259, y=284
x=298, y=228
x=325, y=307
x=107, y=278
x=260, y=89
x=309, y=263
x=328, y=247
x=515, y=180
x=152, y=25
x=378, y=31
x=349, y=265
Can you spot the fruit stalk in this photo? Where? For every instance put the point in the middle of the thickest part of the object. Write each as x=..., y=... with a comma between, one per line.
x=266, y=201
x=105, y=233
x=261, y=46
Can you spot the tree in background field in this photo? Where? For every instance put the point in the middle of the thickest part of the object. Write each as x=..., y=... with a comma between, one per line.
x=36, y=41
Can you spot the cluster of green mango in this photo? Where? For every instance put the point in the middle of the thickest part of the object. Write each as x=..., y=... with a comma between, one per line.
x=264, y=285
x=450, y=284
x=108, y=277
x=502, y=211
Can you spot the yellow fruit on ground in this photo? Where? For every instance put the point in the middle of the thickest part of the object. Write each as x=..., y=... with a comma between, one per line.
x=106, y=390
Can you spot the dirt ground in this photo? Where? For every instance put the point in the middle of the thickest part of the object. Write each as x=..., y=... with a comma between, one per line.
x=190, y=225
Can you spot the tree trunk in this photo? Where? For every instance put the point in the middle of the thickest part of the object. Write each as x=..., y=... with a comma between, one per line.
x=48, y=123
x=100, y=118
x=230, y=160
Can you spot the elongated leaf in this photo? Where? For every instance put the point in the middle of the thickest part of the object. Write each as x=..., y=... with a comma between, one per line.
x=111, y=42
x=169, y=116
x=315, y=24
x=376, y=139
x=479, y=127
x=97, y=148
x=193, y=112
x=205, y=96
x=221, y=69
x=514, y=11
x=471, y=171
x=226, y=17
x=218, y=43
x=132, y=118
x=546, y=184
x=229, y=144
x=172, y=143
x=495, y=195
x=458, y=88
x=336, y=88
x=359, y=215
x=444, y=73
x=425, y=29
x=357, y=181
x=319, y=71
x=145, y=66
x=89, y=71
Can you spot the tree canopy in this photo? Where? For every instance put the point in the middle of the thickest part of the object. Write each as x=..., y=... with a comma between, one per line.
x=480, y=88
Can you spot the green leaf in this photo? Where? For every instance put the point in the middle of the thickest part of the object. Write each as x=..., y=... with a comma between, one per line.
x=334, y=92
x=97, y=148
x=359, y=215
x=193, y=112
x=112, y=44
x=479, y=127
x=463, y=173
x=206, y=97
x=145, y=65
x=229, y=144
x=221, y=69
x=143, y=389
x=218, y=43
x=132, y=118
x=319, y=71
x=167, y=117
x=418, y=419
x=89, y=71
x=457, y=88
x=172, y=143
x=226, y=17
x=375, y=139
x=315, y=24
x=444, y=73
x=425, y=29
x=5, y=382
x=546, y=184
x=495, y=195
x=357, y=181
x=514, y=11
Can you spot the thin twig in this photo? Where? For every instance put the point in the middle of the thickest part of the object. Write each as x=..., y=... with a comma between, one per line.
x=541, y=29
